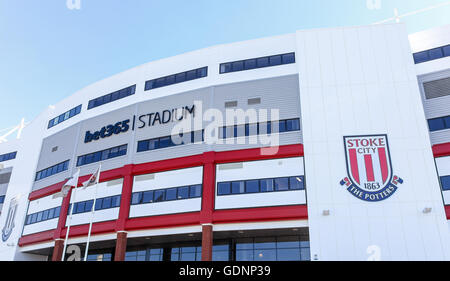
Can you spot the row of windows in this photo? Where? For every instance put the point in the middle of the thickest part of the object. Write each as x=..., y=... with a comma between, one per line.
x=432, y=54
x=100, y=204
x=445, y=181
x=8, y=156
x=261, y=128
x=283, y=248
x=63, y=117
x=176, y=78
x=227, y=132
x=102, y=155
x=53, y=170
x=112, y=97
x=168, y=141
x=438, y=124
x=43, y=216
x=261, y=185
x=167, y=194
x=257, y=63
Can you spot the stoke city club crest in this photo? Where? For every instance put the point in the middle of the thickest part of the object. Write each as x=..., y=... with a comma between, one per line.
x=369, y=168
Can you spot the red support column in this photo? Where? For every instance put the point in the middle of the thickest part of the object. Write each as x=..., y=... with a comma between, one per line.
x=58, y=250
x=206, y=214
x=125, y=200
x=209, y=182
x=121, y=246
x=63, y=215
x=207, y=242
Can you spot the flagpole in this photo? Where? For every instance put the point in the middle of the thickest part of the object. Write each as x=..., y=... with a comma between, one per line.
x=71, y=213
x=92, y=213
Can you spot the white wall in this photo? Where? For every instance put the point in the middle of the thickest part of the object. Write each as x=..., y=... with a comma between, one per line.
x=443, y=168
x=41, y=204
x=105, y=189
x=260, y=170
x=176, y=178
x=362, y=81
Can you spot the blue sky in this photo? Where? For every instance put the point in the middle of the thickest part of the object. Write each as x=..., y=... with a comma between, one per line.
x=47, y=51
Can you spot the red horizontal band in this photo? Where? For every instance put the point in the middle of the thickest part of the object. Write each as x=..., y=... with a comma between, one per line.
x=440, y=150
x=447, y=211
x=36, y=238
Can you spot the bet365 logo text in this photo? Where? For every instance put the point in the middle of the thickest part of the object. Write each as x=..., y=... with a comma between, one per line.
x=369, y=168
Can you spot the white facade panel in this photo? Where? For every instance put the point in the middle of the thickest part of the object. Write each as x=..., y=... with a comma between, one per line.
x=176, y=178
x=443, y=166
x=164, y=208
x=389, y=104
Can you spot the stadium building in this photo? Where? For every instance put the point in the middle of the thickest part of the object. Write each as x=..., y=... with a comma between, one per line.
x=324, y=144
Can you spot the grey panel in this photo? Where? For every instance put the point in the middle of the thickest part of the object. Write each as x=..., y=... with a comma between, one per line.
x=280, y=93
x=437, y=88
x=4, y=178
x=435, y=92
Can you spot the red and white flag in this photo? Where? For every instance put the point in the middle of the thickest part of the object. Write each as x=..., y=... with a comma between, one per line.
x=92, y=180
x=71, y=182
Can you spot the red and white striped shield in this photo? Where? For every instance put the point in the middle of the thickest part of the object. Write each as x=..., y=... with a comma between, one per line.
x=368, y=161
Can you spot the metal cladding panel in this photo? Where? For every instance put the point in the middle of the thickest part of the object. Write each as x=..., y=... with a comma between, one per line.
x=280, y=93
x=436, y=85
x=65, y=141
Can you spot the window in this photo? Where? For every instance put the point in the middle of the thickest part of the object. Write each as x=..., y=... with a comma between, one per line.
x=58, y=168
x=445, y=181
x=257, y=63
x=438, y=124
x=8, y=156
x=176, y=78
x=112, y=97
x=186, y=254
x=282, y=126
x=168, y=194
x=42, y=216
x=2, y=199
x=287, y=248
x=169, y=141
x=100, y=204
x=296, y=183
x=238, y=187
x=252, y=186
x=102, y=155
x=432, y=54
x=261, y=185
x=63, y=117
x=223, y=188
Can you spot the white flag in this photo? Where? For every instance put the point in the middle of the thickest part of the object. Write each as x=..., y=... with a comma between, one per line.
x=92, y=180
x=71, y=182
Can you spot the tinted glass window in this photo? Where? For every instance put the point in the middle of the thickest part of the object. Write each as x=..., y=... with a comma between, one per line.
x=171, y=194
x=289, y=58
x=421, y=57
x=281, y=184
x=225, y=67
x=159, y=195
x=262, y=62
x=191, y=75
x=446, y=51
x=238, y=66
x=295, y=183
x=195, y=191
x=237, y=187
x=147, y=197
x=183, y=192
x=252, y=186
x=223, y=188
x=435, y=53
x=250, y=64
x=136, y=198
x=445, y=181
x=436, y=124
x=275, y=60
x=267, y=185
x=447, y=121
